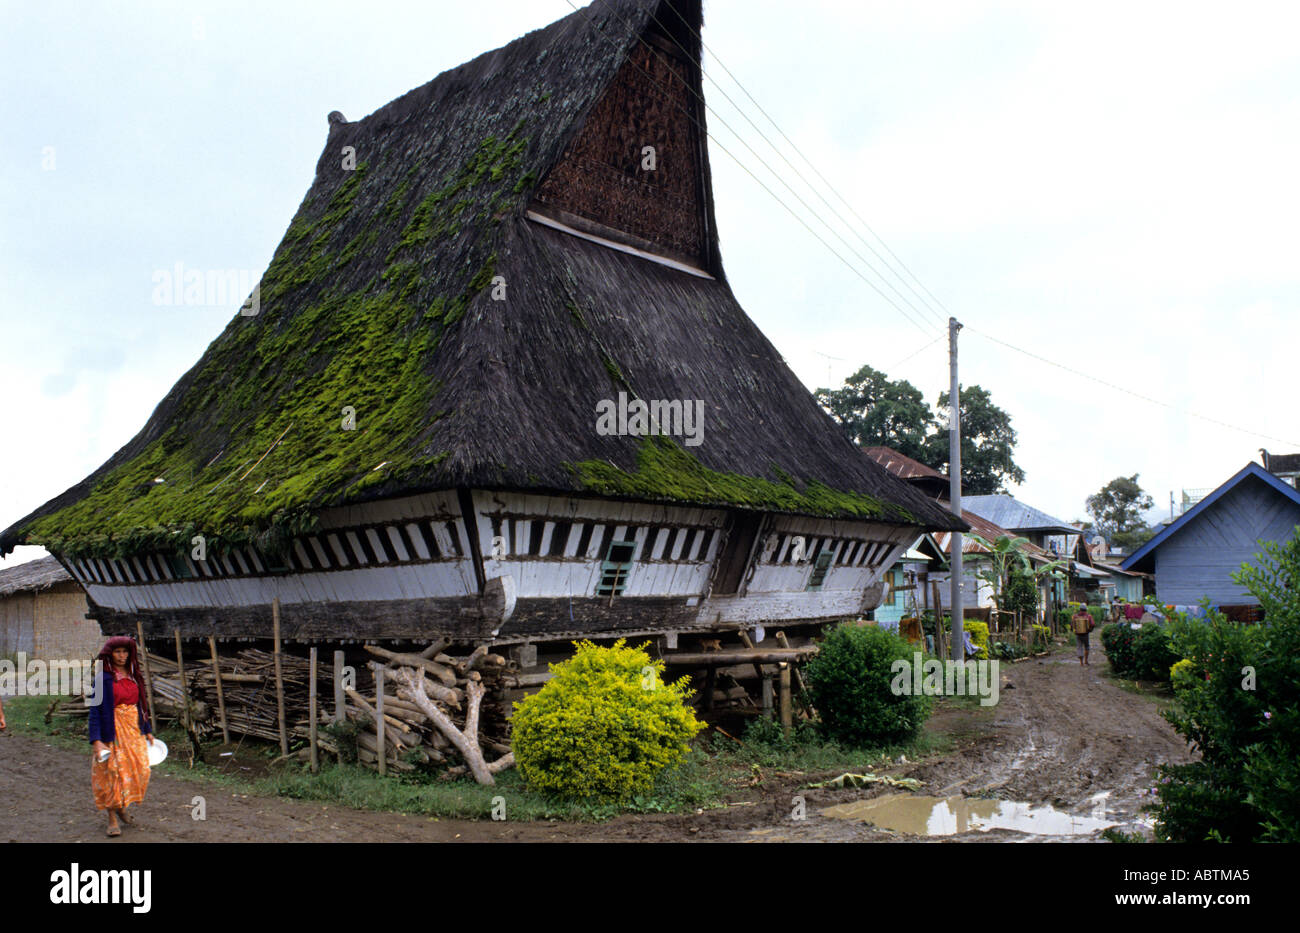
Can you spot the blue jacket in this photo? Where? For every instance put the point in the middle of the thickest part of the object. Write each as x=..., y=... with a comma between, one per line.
x=102, y=726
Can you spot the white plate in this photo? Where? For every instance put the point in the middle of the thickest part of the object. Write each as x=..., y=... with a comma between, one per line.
x=157, y=752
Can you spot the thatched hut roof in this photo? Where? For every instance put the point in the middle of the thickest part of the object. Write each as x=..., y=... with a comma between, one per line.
x=379, y=298
x=33, y=576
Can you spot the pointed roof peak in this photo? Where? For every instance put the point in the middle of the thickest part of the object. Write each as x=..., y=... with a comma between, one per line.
x=415, y=330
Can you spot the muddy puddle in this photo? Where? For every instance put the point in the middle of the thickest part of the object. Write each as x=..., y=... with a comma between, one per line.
x=948, y=816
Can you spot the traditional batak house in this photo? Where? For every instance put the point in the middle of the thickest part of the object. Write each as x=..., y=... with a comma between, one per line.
x=437, y=415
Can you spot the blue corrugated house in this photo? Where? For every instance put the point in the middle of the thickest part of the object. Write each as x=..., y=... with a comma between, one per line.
x=1195, y=556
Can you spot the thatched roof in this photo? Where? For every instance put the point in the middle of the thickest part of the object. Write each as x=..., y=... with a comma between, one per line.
x=379, y=298
x=33, y=576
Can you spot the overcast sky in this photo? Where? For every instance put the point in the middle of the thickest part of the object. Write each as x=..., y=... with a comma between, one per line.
x=1111, y=186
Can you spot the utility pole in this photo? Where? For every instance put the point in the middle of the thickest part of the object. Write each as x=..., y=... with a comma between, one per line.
x=954, y=487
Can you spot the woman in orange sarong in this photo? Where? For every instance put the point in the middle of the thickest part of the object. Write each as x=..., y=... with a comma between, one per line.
x=119, y=726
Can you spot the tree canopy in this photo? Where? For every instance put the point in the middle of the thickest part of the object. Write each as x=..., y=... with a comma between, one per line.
x=877, y=412
x=874, y=410
x=1117, y=510
x=987, y=443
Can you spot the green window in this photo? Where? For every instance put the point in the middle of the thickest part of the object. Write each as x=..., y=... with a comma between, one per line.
x=615, y=568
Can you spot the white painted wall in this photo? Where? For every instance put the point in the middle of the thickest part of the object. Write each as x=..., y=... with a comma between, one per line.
x=676, y=549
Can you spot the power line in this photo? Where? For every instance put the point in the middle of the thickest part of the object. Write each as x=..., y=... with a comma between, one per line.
x=1145, y=398
x=760, y=182
x=915, y=354
x=925, y=307
x=808, y=162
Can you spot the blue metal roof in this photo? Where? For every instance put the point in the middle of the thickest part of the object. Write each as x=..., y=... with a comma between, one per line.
x=1012, y=514
x=1251, y=469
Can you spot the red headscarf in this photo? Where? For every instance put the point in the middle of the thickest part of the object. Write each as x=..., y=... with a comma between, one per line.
x=132, y=664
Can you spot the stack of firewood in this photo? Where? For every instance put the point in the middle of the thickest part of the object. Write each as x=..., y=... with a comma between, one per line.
x=249, y=691
x=440, y=709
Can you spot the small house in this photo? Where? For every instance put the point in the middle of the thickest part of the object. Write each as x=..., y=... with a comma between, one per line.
x=1285, y=467
x=1195, y=556
x=43, y=614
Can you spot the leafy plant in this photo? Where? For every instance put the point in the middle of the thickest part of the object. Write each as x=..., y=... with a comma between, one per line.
x=1021, y=595
x=1144, y=653
x=1008, y=651
x=1183, y=674
x=604, y=726
x=849, y=680
x=1242, y=714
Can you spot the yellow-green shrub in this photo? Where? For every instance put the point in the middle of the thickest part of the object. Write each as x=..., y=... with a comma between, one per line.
x=979, y=636
x=603, y=726
x=1183, y=674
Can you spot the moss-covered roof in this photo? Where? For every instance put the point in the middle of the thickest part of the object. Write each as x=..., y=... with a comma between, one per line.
x=377, y=299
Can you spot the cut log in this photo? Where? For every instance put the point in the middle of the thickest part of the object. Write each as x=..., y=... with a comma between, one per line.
x=369, y=710
x=443, y=673
x=467, y=664
x=435, y=649
x=531, y=680
x=447, y=695
x=466, y=740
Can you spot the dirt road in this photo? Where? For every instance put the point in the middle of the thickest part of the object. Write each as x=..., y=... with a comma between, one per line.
x=1059, y=735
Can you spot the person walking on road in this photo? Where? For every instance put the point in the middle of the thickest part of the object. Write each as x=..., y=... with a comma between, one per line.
x=119, y=728
x=1083, y=623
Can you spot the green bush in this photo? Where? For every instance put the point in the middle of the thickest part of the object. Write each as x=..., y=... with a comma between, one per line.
x=1142, y=654
x=1153, y=655
x=1242, y=713
x=1042, y=636
x=604, y=726
x=1021, y=593
x=849, y=680
x=1117, y=639
x=1098, y=613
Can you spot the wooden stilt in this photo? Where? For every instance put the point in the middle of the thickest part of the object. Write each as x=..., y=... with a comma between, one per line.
x=749, y=643
x=338, y=686
x=767, y=695
x=279, y=676
x=787, y=714
x=799, y=684
x=379, y=719
x=311, y=710
x=185, y=687
x=940, y=640
x=221, y=692
x=148, y=675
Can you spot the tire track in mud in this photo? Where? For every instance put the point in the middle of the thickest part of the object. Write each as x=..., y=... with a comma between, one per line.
x=1060, y=734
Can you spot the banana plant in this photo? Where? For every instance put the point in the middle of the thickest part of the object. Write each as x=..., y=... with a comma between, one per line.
x=1004, y=554
x=1007, y=554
